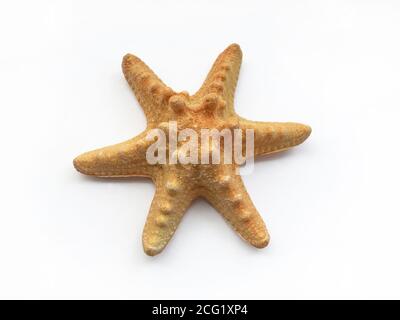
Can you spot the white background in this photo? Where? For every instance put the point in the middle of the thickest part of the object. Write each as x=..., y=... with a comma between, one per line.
x=331, y=205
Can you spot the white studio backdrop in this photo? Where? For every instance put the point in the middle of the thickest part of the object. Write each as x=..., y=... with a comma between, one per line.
x=331, y=205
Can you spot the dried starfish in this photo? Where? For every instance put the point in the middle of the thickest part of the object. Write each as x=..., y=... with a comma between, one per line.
x=179, y=184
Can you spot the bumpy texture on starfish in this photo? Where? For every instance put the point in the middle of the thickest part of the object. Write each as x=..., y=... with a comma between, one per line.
x=177, y=185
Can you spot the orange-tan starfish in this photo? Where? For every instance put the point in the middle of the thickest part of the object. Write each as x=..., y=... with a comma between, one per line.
x=177, y=185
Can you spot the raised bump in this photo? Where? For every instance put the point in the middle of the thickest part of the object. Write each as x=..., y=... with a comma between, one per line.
x=177, y=103
x=166, y=208
x=237, y=199
x=225, y=67
x=225, y=180
x=167, y=93
x=161, y=221
x=185, y=93
x=232, y=123
x=222, y=103
x=245, y=216
x=210, y=101
x=217, y=86
x=154, y=87
x=172, y=187
x=221, y=76
x=143, y=77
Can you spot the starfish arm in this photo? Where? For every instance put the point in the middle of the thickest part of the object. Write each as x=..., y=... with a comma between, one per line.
x=151, y=93
x=232, y=201
x=271, y=137
x=223, y=76
x=125, y=159
x=169, y=204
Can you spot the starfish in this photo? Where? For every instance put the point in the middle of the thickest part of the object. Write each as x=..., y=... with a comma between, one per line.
x=177, y=185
